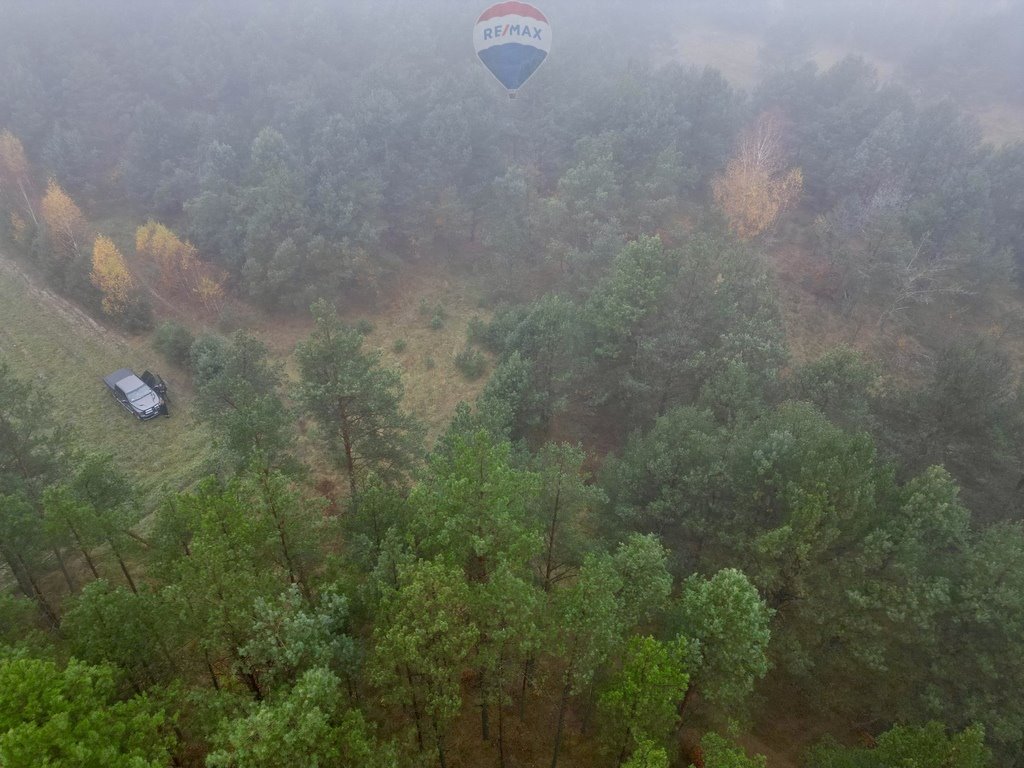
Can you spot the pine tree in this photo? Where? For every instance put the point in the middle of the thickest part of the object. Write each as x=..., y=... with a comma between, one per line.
x=354, y=400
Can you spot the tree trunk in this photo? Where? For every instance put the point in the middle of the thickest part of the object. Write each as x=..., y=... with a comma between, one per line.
x=209, y=668
x=24, y=583
x=31, y=590
x=415, y=710
x=549, y=561
x=64, y=569
x=28, y=204
x=501, y=734
x=83, y=550
x=527, y=668
x=622, y=752
x=350, y=463
x=124, y=569
x=439, y=738
x=691, y=691
x=625, y=738
x=294, y=576
x=253, y=684
x=566, y=689
x=485, y=723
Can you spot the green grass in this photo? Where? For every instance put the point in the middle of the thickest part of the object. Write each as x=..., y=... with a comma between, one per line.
x=48, y=341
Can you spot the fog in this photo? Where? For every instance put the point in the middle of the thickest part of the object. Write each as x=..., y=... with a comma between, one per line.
x=669, y=413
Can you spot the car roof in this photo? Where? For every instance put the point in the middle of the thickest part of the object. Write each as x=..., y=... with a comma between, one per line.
x=113, y=378
x=130, y=383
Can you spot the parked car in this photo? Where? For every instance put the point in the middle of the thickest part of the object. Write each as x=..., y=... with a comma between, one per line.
x=139, y=398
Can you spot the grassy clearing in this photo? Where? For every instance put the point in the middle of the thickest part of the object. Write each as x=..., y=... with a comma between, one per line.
x=426, y=360
x=50, y=341
x=735, y=54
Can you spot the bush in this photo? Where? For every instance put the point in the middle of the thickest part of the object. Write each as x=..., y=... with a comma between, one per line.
x=471, y=363
x=428, y=363
x=399, y=346
x=174, y=341
x=437, y=319
x=206, y=357
x=436, y=314
x=138, y=315
x=476, y=331
x=365, y=327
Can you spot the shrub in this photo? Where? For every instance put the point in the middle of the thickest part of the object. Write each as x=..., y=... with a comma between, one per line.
x=174, y=341
x=436, y=314
x=206, y=357
x=428, y=363
x=399, y=346
x=471, y=363
x=438, y=318
x=365, y=327
x=476, y=331
x=138, y=315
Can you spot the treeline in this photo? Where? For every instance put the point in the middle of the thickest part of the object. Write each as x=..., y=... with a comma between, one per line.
x=308, y=168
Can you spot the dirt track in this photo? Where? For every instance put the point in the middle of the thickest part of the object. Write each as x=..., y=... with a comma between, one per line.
x=43, y=296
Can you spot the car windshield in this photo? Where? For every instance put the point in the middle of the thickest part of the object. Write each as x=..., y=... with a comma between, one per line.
x=139, y=393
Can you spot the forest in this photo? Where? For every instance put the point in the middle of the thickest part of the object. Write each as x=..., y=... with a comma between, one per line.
x=704, y=448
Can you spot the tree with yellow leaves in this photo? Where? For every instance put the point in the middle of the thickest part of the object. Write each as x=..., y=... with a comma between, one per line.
x=110, y=274
x=14, y=175
x=756, y=188
x=210, y=291
x=64, y=221
x=175, y=258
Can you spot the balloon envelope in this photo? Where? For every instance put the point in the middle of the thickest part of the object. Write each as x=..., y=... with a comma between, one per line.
x=512, y=39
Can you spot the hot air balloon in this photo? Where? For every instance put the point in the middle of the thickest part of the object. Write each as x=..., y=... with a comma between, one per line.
x=512, y=39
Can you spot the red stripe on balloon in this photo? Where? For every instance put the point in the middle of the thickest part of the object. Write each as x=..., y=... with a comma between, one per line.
x=512, y=9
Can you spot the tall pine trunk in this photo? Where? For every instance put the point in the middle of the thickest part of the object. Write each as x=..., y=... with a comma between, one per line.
x=566, y=689
x=64, y=569
x=485, y=723
x=84, y=550
x=124, y=568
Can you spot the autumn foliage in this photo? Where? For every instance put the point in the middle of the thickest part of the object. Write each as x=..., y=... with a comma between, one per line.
x=175, y=258
x=110, y=274
x=756, y=188
x=64, y=221
x=180, y=268
x=14, y=175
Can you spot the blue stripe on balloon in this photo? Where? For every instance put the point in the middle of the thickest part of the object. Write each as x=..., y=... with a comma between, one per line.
x=512, y=63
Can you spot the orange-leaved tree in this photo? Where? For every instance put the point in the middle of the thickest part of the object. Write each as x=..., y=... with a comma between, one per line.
x=175, y=258
x=15, y=182
x=64, y=221
x=110, y=274
x=756, y=187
